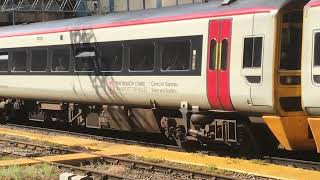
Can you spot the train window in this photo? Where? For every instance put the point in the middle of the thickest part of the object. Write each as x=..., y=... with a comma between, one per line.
x=257, y=52
x=224, y=54
x=39, y=60
x=111, y=57
x=252, y=52
x=213, y=54
x=291, y=38
x=176, y=55
x=60, y=60
x=19, y=59
x=85, y=59
x=4, y=57
x=142, y=57
x=316, y=50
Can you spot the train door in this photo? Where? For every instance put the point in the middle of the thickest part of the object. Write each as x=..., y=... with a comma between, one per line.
x=218, y=89
x=257, y=49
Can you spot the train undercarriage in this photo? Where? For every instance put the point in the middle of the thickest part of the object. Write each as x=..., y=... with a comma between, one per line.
x=187, y=127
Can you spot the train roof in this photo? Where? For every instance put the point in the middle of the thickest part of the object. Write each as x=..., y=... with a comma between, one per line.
x=213, y=8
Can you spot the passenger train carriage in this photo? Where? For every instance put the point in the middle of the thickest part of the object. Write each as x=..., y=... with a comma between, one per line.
x=204, y=72
x=310, y=67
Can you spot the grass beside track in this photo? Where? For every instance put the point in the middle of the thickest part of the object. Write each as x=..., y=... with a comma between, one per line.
x=35, y=172
x=3, y=158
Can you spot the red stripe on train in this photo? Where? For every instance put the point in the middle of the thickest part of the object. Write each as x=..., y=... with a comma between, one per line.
x=146, y=21
x=314, y=3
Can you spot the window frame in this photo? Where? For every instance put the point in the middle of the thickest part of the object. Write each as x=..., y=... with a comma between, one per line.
x=213, y=64
x=74, y=59
x=227, y=55
x=22, y=49
x=99, y=49
x=262, y=52
x=130, y=44
x=190, y=53
x=31, y=58
x=314, y=48
x=50, y=53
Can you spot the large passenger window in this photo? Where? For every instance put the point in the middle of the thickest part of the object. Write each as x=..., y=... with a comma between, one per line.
x=19, y=61
x=252, y=52
x=316, y=58
x=175, y=56
x=142, y=57
x=213, y=54
x=60, y=59
x=111, y=57
x=4, y=57
x=39, y=60
x=85, y=59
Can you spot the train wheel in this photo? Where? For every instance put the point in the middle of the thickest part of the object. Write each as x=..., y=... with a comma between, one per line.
x=183, y=142
x=3, y=117
x=18, y=116
x=248, y=143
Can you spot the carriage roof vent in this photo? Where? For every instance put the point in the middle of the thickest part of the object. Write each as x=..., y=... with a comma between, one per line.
x=227, y=2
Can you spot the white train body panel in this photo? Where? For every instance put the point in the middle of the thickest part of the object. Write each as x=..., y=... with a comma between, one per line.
x=133, y=90
x=246, y=96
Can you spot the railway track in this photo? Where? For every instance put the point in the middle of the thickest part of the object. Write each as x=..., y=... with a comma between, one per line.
x=39, y=147
x=133, y=164
x=97, y=137
x=293, y=162
x=312, y=165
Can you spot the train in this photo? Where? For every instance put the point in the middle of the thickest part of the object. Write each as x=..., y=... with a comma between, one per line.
x=241, y=73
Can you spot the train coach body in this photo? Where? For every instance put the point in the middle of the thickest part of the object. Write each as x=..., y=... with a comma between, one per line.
x=203, y=61
x=167, y=88
x=310, y=67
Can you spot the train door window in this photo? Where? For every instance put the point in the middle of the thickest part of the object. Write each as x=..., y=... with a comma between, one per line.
x=85, y=59
x=213, y=54
x=60, y=60
x=19, y=61
x=142, y=57
x=38, y=60
x=4, y=57
x=252, y=52
x=111, y=57
x=224, y=54
x=175, y=56
x=316, y=50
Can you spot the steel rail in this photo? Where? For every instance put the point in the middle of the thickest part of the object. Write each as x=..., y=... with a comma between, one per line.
x=98, y=137
x=293, y=162
x=102, y=175
x=41, y=147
